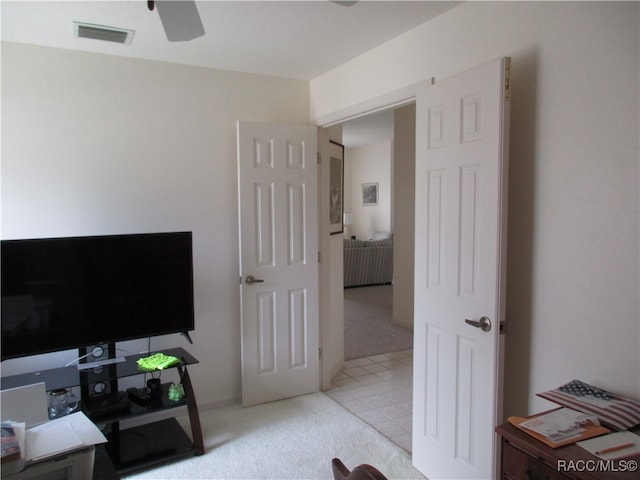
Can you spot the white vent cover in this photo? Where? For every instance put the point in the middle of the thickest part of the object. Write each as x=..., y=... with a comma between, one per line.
x=101, y=32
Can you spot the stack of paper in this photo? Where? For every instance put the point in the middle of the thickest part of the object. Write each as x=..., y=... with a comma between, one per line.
x=61, y=435
x=560, y=427
x=613, y=446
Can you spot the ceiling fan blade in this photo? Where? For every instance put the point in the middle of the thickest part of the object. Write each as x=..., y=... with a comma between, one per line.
x=180, y=19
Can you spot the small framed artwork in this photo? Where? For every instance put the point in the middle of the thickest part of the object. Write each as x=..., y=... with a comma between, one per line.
x=336, y=187
x=370, y=193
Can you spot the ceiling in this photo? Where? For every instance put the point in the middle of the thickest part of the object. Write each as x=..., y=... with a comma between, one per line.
x=293, y=39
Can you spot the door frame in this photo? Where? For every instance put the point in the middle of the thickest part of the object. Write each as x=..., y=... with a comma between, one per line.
x=331, y=254
x=390, y=100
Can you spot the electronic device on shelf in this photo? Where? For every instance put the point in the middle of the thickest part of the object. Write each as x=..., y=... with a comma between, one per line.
x=108, y=404
x=64, y=293
x=139, y=396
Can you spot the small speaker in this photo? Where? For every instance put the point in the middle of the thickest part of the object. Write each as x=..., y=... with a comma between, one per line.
x=100, y=380
x=155, y=387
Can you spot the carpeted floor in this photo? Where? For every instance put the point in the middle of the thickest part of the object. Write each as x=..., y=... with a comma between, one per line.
x=367, y=323
x=288, y=439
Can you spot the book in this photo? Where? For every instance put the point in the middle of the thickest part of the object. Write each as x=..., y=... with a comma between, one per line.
x=560, y=427
x=10, y=445
x=13, y=457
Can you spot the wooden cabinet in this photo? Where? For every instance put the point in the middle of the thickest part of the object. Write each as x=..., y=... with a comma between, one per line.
x=520, y=465
x=525, y=458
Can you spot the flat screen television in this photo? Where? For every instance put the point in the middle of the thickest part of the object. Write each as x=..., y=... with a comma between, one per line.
x=65, y=293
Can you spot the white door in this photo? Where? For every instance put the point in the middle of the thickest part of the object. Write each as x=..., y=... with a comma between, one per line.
x=277, y=196
x=461, y=194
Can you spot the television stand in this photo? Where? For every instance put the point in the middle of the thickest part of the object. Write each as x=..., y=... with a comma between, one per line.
x=136, y=448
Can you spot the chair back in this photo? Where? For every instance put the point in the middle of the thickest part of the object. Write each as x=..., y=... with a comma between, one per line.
x=361, y=472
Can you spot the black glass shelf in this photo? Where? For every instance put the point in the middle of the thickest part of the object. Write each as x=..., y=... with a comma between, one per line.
x=133, y=448
x=67, y=377
x=132, y=409
x=147, y=445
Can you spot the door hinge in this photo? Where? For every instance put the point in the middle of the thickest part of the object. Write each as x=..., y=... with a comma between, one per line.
x=318, y=157
x=507, y=78
x=319, y=256
x=320, y=353
x=502, y=328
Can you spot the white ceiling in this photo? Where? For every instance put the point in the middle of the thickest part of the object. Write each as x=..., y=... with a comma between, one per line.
x=293, y=39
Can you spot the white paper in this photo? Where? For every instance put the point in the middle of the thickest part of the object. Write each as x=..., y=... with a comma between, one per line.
x=25, y=404
x=560, y=424
x=19, y=429
x=596, y=445
x=47, y=440
x=61, y=435
x=85, y=428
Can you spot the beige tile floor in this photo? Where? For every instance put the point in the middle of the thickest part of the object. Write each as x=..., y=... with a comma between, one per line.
x=379, y=390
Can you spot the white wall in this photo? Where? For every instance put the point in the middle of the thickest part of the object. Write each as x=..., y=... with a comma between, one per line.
x=573, y=255
x=96, y=144
x=368, y=164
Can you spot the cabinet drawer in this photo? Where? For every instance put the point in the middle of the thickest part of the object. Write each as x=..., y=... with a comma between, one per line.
x=517, y=465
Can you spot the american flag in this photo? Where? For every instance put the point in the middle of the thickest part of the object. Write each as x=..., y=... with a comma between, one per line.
x=581, y=389
x=613, y=411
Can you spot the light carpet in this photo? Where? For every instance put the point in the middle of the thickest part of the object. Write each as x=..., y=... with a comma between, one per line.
x=289, y=439
x=368, y=329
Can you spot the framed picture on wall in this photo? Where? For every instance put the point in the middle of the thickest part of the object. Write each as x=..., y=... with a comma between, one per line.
x=370, y=193
x=336, y=187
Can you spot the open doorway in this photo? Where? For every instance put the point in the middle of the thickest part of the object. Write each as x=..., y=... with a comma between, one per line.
x=376, y=383
x=378, y=246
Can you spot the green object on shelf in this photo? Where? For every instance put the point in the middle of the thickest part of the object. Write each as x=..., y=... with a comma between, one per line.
x=157, y=361
x=176, y=392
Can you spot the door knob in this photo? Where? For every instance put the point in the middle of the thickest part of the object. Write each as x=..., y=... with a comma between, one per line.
x=484, y=323
x=250, y=280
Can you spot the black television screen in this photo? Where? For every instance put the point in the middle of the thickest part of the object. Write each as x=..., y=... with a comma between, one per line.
x=64, y=293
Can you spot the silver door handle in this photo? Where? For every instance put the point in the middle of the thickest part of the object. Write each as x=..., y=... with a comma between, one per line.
x=484, y=323
x=250, y=280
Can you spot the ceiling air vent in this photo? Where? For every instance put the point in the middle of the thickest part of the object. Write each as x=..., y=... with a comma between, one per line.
x=100, y=32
